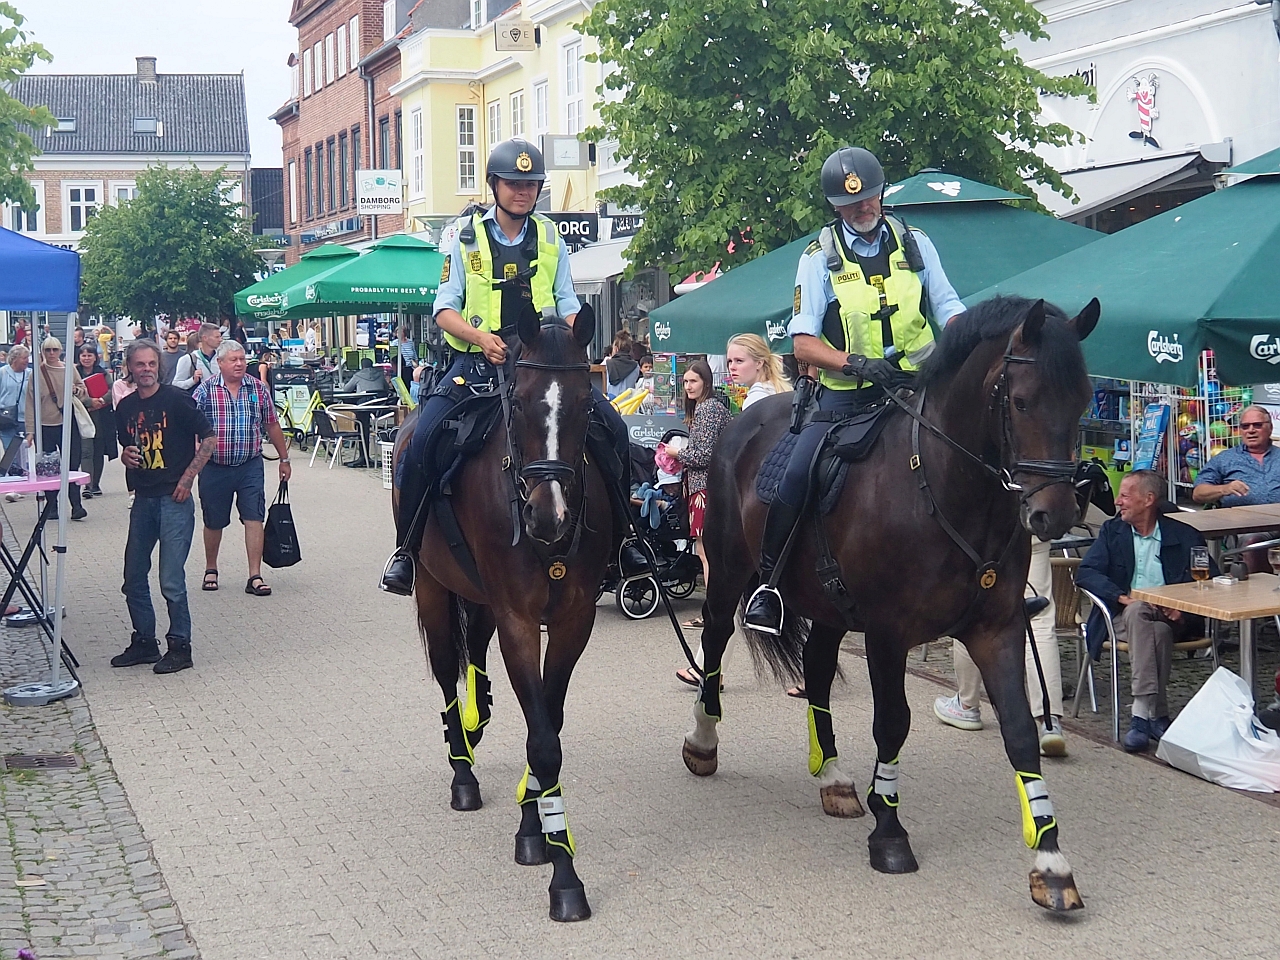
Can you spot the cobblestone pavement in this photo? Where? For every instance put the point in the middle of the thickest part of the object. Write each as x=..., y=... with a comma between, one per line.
x=294, y=788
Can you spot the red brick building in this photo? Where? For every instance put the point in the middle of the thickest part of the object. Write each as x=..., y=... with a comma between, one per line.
x=340, y=117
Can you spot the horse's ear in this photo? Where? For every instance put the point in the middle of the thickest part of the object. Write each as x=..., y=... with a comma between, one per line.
x=1033, y=324
x=528, y=324
x=584, y=326
x=1084, y=321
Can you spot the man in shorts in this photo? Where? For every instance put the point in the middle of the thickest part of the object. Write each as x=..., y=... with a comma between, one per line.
x=241, y=409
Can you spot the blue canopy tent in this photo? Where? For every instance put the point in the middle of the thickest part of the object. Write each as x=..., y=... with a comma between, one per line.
x=38, y=277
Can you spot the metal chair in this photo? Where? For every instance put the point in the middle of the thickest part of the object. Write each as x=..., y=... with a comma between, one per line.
x=329, y=436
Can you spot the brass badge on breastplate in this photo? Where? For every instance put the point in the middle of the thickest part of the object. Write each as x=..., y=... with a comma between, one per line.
x=557, y=571
x=852, y=184
x=524, y=163
x=988, y=580
x=476, y=261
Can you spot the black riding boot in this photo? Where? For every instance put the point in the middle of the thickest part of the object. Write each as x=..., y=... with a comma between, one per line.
x=764, y=609
x=398, y=575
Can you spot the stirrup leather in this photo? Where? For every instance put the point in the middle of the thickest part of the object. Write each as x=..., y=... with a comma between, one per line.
x=764, y=588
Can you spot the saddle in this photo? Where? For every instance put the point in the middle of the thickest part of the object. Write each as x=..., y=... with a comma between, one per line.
x=848, y=440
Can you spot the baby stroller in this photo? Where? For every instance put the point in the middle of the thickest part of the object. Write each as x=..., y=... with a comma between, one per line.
x=678, y=565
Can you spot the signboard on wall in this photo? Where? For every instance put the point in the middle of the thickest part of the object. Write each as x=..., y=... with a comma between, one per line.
x=577, y=228
x=379, y=191
x=515, y=35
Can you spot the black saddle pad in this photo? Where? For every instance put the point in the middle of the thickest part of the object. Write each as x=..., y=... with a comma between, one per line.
x=461, y=433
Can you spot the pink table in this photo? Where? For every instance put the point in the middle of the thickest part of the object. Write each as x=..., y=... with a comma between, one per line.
x=38, y=484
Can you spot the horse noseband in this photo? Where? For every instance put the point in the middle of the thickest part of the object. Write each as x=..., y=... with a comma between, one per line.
x=1058, y=471
x=541, y=471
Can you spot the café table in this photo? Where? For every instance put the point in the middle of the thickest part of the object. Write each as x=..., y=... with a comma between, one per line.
x=1215, y=524
x=363, y=414
x=1243, y=601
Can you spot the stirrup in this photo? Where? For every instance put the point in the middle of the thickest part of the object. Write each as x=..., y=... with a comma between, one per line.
x=386, y=570
x=760, y=592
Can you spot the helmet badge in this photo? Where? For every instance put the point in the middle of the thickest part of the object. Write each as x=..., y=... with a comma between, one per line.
x=852, y=184
x=524, y=163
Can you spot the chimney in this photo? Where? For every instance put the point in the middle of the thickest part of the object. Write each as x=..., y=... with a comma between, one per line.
x=146, y=69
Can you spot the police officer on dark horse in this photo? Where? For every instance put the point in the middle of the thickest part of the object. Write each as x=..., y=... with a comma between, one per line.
x=507, y=252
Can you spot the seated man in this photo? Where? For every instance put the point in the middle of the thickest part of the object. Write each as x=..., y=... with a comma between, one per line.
x=1244, y=475
x=1141, y=548
x=366, y=380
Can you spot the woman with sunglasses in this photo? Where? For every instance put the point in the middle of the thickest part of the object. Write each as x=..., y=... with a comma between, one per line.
x=51, y=372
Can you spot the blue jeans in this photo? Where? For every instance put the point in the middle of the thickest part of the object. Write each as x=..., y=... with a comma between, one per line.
x=152, y=520
x=793, y=490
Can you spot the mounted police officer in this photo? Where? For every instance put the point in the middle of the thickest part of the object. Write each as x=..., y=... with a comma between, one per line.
x=501, y=257
x=866, y=290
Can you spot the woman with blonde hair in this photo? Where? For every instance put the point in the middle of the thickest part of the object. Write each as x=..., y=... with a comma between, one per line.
x=753, y=365
x=53, y=407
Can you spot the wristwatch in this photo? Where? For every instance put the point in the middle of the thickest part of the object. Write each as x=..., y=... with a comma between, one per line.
x=284, y=459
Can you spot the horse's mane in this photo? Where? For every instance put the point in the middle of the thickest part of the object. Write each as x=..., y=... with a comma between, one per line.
x=1061, y=360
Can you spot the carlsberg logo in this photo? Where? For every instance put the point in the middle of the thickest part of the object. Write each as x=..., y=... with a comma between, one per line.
x=1164, y=349
x=662, y=330
x=775, y=331
x=1265, y=347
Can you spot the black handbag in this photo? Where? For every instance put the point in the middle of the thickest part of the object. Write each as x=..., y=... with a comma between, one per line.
x=280, y=538
x=9, y=413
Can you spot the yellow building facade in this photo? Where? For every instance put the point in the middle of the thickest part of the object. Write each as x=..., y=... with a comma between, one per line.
x=460, y=95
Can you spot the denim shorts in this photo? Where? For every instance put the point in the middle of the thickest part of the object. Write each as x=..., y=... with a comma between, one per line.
x=218, y=484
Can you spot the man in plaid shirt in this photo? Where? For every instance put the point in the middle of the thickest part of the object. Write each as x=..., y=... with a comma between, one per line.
x=241, y=409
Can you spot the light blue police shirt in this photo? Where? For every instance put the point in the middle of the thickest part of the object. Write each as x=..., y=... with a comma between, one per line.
x=452, y=292
x=814, y=281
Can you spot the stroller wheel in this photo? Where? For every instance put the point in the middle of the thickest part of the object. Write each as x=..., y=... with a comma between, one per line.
x=682, y=588
x=637, y=598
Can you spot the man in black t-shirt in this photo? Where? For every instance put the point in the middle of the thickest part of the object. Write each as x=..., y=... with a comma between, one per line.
x=164, y=443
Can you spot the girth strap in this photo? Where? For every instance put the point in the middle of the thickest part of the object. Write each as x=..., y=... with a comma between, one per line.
x=453, y=536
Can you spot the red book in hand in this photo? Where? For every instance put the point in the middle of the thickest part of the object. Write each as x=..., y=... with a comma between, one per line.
x=97, y=385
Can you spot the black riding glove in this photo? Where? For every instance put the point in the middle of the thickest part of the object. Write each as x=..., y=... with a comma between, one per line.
x=880, y=372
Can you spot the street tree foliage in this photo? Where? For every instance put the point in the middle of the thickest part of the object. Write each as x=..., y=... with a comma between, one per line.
x=725, y=109
x=180, y=248
x=17, y=147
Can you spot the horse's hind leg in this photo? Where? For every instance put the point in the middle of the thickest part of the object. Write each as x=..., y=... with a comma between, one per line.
x=836, y=788
x=1000, y=659
x=440, y=619
x=889, y=845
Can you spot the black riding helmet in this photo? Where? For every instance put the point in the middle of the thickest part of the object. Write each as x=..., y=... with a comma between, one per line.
x=851, y=174
x=516, y=159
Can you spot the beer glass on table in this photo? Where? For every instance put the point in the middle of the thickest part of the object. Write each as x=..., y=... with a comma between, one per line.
x=1200, y=565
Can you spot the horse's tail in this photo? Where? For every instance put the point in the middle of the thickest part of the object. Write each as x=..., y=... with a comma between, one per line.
x=460, y=614
x=782, y=655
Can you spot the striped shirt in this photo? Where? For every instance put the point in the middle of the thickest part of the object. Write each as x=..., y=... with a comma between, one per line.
x=239, y=421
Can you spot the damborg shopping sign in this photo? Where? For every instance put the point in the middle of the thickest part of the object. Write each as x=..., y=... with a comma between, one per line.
x=379, y=191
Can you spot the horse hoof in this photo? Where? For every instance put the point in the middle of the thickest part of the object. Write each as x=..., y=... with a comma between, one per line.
x=892, y=855
x=1058, y=894
x=841, y=800
x=465, y=796
x=701, y=763
x=532, y=851
x=568, y=906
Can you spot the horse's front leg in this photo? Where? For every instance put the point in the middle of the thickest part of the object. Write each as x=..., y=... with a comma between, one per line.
x=889, y=845
x=477, y=704
x=836, y=788
x=540, y=788
x=999, y=656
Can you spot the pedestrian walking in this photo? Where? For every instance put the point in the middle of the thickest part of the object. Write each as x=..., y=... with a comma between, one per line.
x=13, y=388
x=165, y=441
x=103, y=445
x=170, y=355
x=241, y=410
x=200, y=363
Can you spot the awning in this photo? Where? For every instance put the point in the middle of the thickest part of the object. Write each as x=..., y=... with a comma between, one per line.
x=1098, y=188
x=593, y=265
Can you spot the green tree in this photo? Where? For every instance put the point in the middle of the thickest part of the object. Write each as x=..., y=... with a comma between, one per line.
x=17, y=147
x=729, y=107
x=180, y=248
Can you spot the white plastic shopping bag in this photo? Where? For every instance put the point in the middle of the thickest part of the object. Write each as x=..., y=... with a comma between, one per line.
x=1217, y=738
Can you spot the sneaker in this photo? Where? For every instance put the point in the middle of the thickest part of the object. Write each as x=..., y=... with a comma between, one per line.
x=13, y=497
x=1052, y=742
x=177, y=658
x=79, y=513
x=140, y=650
x=953, y=713
x=1159, y=725
x=1138, y=737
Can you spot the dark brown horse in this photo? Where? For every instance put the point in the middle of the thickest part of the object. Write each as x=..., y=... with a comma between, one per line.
x=550, y=577
x=1007, y=384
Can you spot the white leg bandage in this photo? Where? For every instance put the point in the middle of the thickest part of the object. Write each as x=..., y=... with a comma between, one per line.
x=551, y=813
x=886, y=779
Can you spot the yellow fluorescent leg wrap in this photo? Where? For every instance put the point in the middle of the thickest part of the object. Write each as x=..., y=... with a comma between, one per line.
x=822, y=743
x=470, y=756
x=527, y=786
x=885, y=782
x=551, y=813
x=1033, y=798
x=471, y=710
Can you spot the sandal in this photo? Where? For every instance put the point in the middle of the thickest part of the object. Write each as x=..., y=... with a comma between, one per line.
x=694, y=624
x=260, y=590
x=687, y=676
x=798, y=692
x=210, y=580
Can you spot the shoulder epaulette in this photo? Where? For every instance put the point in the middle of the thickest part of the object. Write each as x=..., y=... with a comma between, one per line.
x=813, y=247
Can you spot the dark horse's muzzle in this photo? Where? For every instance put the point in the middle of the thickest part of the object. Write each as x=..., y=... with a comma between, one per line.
x=543, y=520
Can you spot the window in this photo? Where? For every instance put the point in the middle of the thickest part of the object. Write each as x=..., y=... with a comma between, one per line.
x=344, y=170
x=416, y=157
x=330, y=186
x=295, y=80
x=65, y=125
x=123, y=192
x=357, y=161
x=319, y=179
x=82, y=203
x=517, y=114
x=388, y=19
x=477, y=14
x=148, y=126
x=495, y=122
x=574, y=101
x=293, y=191
x=399, y=143
x=541, y=107
x=306, y=73
x=466, y=148
x=306, y=192
x=342, y=50
x=382, y=161
x=28, y=221
x=355, y=41
x=330, y=61
x=317, y=53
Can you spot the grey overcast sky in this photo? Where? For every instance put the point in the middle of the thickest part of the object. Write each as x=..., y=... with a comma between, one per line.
x=185, y=36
